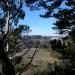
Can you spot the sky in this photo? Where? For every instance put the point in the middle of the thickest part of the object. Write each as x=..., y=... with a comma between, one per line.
x=38, y=25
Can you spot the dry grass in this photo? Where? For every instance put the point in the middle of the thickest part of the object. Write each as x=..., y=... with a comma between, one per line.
x=41, y=62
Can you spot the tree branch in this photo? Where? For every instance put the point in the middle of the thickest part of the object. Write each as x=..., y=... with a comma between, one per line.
x=24, y=54
x=25, y=67
x=20, y=2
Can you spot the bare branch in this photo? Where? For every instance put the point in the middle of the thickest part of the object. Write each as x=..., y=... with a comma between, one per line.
x=25, y=67
x=21, y=55
x=20, y=3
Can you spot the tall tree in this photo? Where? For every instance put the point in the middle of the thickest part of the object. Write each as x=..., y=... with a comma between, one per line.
x=10, y=13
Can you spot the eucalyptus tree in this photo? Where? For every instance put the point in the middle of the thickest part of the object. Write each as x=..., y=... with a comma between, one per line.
x=10, y=14
x=11, y=11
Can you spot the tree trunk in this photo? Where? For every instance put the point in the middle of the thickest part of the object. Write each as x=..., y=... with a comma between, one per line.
x=7, y=67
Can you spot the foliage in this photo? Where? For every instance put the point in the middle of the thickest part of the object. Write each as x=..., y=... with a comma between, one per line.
x=10, y=13
x=65, y=15
x=65, y=23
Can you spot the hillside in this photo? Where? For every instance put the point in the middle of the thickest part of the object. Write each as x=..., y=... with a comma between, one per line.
x=43, y=61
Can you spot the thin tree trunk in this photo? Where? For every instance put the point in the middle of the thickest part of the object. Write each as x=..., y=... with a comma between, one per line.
x=7, y=27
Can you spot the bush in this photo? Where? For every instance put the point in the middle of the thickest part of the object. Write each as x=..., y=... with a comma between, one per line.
x=44, y=46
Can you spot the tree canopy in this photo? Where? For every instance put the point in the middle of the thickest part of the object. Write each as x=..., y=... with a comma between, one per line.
x=10, y=13
x=64, y=14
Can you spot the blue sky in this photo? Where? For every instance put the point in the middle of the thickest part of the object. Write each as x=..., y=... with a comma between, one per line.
x=38, y=25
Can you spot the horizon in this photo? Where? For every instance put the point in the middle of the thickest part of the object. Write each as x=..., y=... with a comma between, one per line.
x=38, y=25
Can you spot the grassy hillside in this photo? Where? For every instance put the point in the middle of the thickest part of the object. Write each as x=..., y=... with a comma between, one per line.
x=42, y=62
